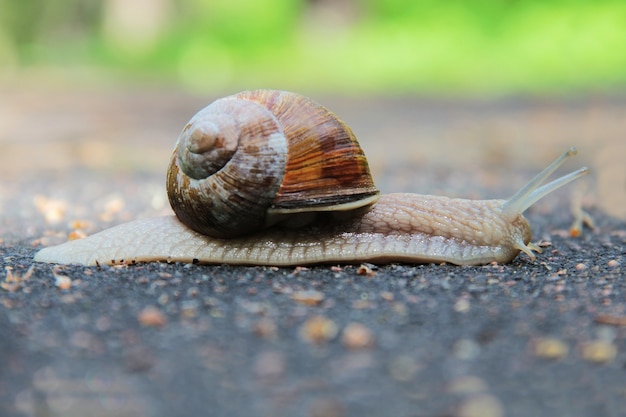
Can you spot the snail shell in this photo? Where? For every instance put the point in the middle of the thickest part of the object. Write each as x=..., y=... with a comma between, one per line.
x=257, y=158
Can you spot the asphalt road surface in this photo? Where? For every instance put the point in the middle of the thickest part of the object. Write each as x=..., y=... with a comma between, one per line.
x=530, y=338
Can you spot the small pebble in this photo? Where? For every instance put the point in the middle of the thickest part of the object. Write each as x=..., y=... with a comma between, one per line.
x=366, y=270
x=357, y=336
x=466, y=349
x=610, y=320
x=327, y=407
x=299, y=269
x=599, y=351
x=52, y=210
x=318, y=329
x=270, y=364
x=483, y=405
x=467, y=385
x=550, y=348
x=581, y=267
x=62, y=282
x=151, y=316
x=387, y=296
x=403, y=368
x=76, y=234
x=139, y=359
x=613, y=263
x=189, y=308
x=111, y=208
x=462, y=305
x=265, y=328
x=79, y=224
x=80, y=339
x=308, y=297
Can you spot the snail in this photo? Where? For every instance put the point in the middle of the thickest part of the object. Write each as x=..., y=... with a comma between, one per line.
x=273, y=178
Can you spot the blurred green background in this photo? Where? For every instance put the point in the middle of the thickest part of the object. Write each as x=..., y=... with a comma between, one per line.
x=433, y=47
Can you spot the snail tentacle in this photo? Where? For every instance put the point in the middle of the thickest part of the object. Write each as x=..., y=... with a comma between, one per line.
x=533, y=191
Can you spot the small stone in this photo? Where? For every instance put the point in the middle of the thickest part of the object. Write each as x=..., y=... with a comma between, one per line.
x=462, y=305
x=599, y=351
x=357, y=336
x=151, y=316
x=613, y=263
x=366, y=269
x=103, y=323
x=112, y=207
x=362, y=304
x=299, y=269
x=79, y=224
x=483, y=405
x=327, y=407
x=189, y=308
x=265, y=328
x=400, y=309
x=610, y=320
x=76, y=234
x=81, y=339
x=581, y=267
x=403, y=368
x=62, y=282
x=52, y=210
x=139, y=359
x=467, y=385
x=308, y=297
x=466, y=349
x=318, y=329
x=269, y=364
x=387, y=296
x=550, y=348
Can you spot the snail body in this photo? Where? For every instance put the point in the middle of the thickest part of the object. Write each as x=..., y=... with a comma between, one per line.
x=307, y=178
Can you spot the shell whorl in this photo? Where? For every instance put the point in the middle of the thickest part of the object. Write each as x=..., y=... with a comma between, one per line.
x=248, y=161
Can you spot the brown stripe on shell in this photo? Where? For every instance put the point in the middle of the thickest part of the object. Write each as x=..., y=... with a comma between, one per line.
x=325, y=164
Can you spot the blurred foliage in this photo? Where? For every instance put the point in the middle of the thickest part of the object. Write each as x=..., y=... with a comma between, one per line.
x=389, y=46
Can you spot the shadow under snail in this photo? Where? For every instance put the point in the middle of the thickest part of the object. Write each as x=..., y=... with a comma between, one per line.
x=273, y=178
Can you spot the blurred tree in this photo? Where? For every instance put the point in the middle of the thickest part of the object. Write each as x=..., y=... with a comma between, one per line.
x=134, y=28
x=38, y=29
x=432, y=46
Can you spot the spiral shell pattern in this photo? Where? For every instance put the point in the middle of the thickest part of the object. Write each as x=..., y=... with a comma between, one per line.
x=257, y=158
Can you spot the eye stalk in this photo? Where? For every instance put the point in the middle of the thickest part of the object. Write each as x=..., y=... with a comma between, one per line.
x=533, y=191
